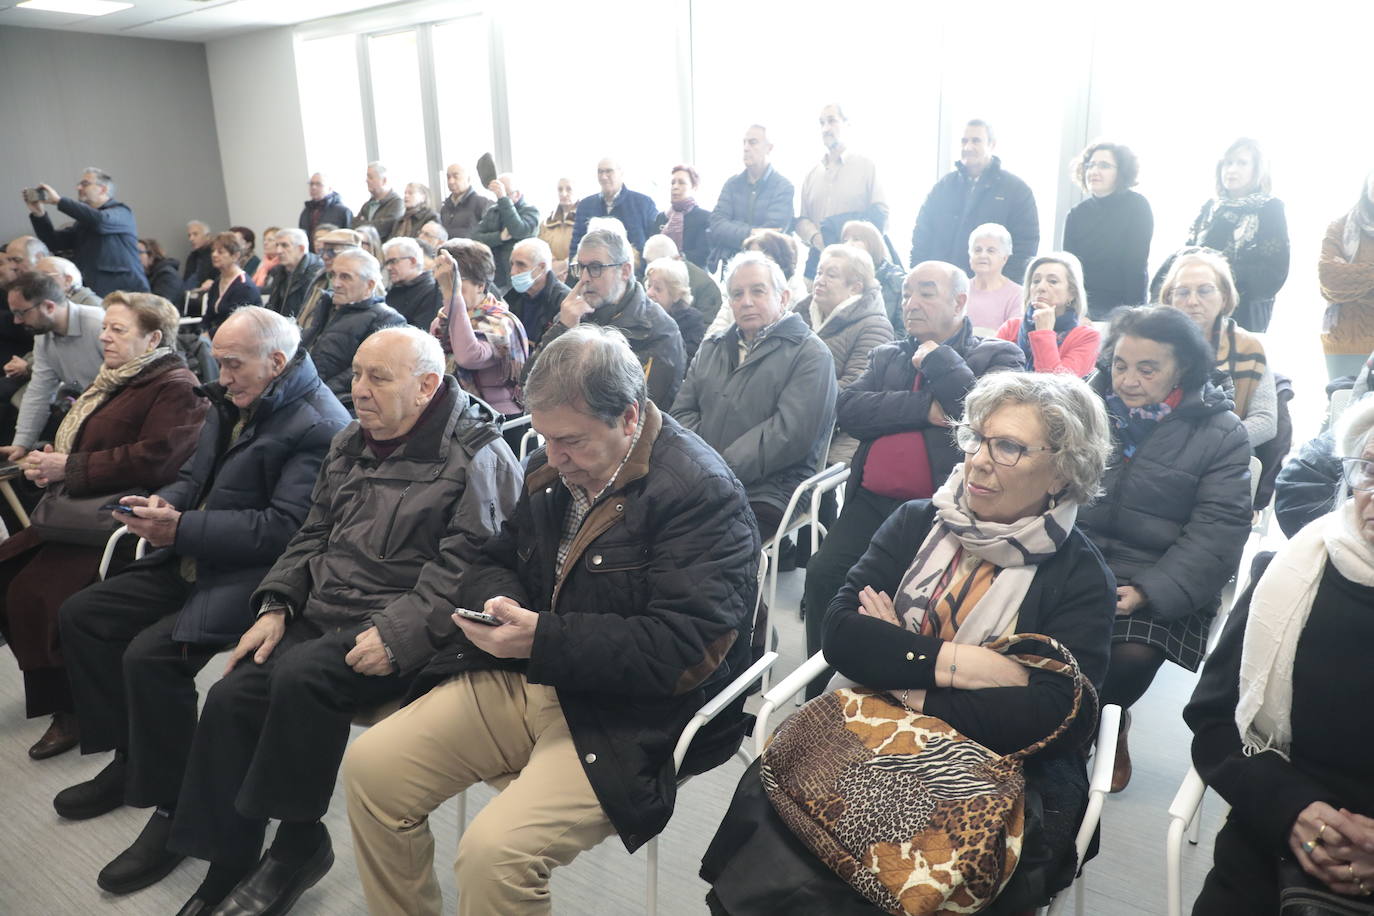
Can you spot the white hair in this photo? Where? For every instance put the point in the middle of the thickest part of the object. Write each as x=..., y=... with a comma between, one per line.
x=66, y=268
x=198, y=224
x=659, y=246
x=368, y=268
x=1356, y=425
x=745, y=258
x=992, y=231
x=377, y=167
x=538, y=249
x=408, y=248
x=427, y=355
x=297, y=236
x=674, y=273
x=274, y=332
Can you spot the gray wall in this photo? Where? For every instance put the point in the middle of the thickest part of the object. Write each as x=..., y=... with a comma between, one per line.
x=138, y=108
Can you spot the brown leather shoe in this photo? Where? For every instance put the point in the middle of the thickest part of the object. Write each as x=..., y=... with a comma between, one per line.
x=1121, y=772
x=62, y=735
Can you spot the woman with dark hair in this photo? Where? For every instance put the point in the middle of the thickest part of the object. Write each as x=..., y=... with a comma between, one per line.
x=684, y=222
x=231, y=287
x=247, y=259
x=1054, y=332
x=1110, y=231
x=132, y=428
x=487, y=343
x=1176, y=509
x=1246, y=223
x=1200, y=286
x=164, y=273
x=1346, y=275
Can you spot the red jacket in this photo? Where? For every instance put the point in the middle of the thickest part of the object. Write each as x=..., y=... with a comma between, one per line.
x=1078, y=354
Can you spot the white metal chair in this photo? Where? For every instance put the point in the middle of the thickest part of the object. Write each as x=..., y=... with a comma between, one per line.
x=1185, y=811
x=116, y=536
x=1099, y=779
x=529, y=436
x=812, y=488
x=737, y=688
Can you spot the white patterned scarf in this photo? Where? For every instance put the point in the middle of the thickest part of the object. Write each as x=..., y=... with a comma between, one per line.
x=1015, y=549
x=1279, y=610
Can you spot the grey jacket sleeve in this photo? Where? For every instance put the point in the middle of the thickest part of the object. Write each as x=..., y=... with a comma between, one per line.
x=489, y=495
x=1262, y=413
x=33, y=410
x=805, y=412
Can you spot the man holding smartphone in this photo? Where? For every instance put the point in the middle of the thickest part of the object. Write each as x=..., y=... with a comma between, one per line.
x=103, y=236
x=623, y=585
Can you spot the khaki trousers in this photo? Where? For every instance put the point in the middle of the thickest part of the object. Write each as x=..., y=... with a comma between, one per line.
x=488, y=726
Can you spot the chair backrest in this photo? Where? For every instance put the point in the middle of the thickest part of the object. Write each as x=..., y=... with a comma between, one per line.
x=1256, y=469
x=1340, y=400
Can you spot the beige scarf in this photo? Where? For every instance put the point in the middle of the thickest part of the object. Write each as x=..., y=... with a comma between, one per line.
x=107, y=383
x=1278, y=612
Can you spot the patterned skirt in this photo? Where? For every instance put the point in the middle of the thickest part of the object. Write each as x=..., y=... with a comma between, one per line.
x=1183, y=641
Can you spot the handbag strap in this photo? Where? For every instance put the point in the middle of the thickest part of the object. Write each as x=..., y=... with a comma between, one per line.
x=1064, y=664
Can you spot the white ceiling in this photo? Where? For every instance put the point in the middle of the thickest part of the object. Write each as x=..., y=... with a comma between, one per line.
x=187, y=20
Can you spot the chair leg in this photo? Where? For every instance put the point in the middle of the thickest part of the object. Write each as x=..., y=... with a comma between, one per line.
x=651, y=883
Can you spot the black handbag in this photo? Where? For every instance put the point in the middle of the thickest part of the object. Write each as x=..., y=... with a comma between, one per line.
x=1303, y=895
x=68, y=519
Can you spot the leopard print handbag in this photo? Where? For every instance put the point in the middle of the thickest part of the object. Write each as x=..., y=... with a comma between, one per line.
x=916, y=817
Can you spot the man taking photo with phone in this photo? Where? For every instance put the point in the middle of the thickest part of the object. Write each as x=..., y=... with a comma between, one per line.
x=103, y=238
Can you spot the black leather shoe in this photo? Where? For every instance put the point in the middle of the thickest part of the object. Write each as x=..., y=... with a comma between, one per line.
x=275, y=886
x=146, y=862
x=62, y=735
x=94, y=797
x=194, y=907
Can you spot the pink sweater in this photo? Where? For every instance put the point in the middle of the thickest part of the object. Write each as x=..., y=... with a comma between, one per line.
x=480, y=357
x=1077, y=356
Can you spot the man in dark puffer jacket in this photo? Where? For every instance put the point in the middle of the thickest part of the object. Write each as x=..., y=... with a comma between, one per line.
x=347, y=316
x=624, y=583
x=135, y=642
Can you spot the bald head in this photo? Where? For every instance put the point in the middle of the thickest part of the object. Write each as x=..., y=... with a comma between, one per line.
x=396, y=373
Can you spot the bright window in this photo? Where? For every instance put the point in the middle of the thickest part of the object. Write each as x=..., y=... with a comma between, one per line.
x=332, y=115
x=399, y=110
x=462, y=81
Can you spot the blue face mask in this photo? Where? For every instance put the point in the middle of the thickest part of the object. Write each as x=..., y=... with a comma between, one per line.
x=523, y=281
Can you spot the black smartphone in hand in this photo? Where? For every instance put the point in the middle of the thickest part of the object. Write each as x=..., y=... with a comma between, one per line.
x=117, y=507
x=478, y=616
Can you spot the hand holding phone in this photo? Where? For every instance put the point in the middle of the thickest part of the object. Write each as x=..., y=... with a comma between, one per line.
x=487, y=619
x=117, y=507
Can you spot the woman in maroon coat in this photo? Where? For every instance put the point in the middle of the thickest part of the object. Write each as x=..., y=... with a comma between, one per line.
x=132, y=428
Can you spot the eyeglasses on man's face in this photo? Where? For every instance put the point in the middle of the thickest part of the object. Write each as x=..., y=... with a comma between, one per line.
x=593, y=269
x=1003, y=451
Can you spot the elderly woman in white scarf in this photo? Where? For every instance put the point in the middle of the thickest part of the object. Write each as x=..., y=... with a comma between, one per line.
x=994, y=553
x=1281, y=716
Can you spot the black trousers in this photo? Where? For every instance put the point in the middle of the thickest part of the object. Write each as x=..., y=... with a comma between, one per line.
x=845, y=542
x=134, y=687
x=270, y=741
x=1243, y=876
